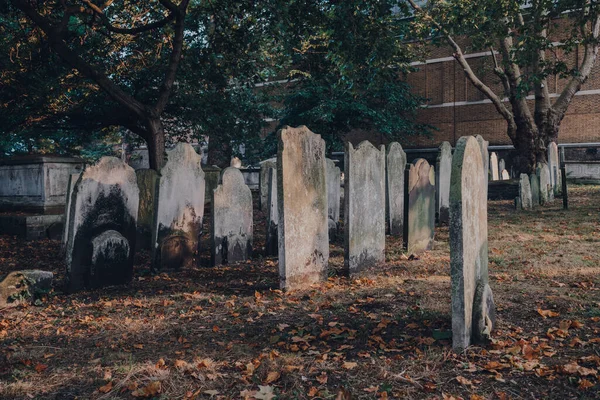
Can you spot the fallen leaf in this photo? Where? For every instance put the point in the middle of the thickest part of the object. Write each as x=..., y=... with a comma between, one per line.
x=106, y=388
x=584, y=384
x=264, y=393
x=464, y=381
x=150, y=390
x=350, y=365
x=547, y=313
x=272, y=377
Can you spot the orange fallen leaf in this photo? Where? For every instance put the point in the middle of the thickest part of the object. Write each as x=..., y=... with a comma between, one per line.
x=463, y=381
x=106, y=388
x=350, y=365
x=39, y=368
x=547, y=313
x=272, y=377
x=151, y=389
x=584, y=384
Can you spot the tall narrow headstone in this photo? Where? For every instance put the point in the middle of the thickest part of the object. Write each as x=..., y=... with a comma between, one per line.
x=544, y=175
x=101, y=235
x=231, y=219
x=271, y=247
x=525, y=198
x=473, y=309
x=395, y=165
x=333, y=197
x=501, y=166
x=70, y=186
x=364, y=212
x=443, y=169
x=179, y=209
x=483, y=146
x=419, y=206
x=302, y=197
x=554, y=166
x=534, y=183
x=264, y=181
x=564, y=192
x=147, y=180
x=505, y=175
x=494, y=166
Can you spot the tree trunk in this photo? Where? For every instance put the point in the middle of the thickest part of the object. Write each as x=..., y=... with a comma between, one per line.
x=219, y=151
x=155, y=143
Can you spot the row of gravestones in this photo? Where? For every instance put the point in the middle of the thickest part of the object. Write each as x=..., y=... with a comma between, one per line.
x=498, y=168
x=541, y=187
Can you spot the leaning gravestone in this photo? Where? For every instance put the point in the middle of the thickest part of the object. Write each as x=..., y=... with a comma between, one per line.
x=395, y=165
x=473, y=309
x=265, y=166
x=505, y=175
x=364, y=206
x=179, y=209
x=231, y=219
x=419, y=206
x=443, y=169
x=525, y=198
x=333, y=197
x=66, y=221
x=485, y=156
x=102, y=226
x=271, y=247
x=494, y=166
x=501, y=166
x=545, y=189
x=147, y=180
x=534, y=183
x=302, y=197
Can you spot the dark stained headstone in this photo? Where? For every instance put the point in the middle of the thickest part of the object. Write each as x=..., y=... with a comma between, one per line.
x=333, y=197
x=272, y=246
x=525, y=198
x=443, y=170
x=419, y=207
x=263, y=184
x=147, y=180
x=395, y=165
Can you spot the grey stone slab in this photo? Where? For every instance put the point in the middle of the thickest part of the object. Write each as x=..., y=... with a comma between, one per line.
x=147, y=180
x=525, y=197
x=395, y=166
x=485, y=155
x=105, y=199
x=333, y=197
x=554, y=167
x=494, y=166
x=70, y=186
x=264, y=181
x=419, y=203
x=302, y=197
x=534, y=183
x=272, y=246
x=179, y=209
x=443, y=171
x=231, y=219
x=501, y=166
x=364, y=201
x=473, y=313
x=546, y=193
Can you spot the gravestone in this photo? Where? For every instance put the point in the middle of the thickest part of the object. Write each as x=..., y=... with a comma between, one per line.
x=483, y=146
x=271, y=247
x=473, y=309
x=419, y=206
x=102, y=226
x=505, y=175
x=179, y=209
x=443, y=169
x=545, y=189
x=525, y=198
x=264, y=181
x=333, y=197
x=231, y=219
x=395, y=165
x=66, y=218
x=494, y=166
x=554, y=166
x=364, y=206
x=501, y=166
x=147, y=180
x=302, y=207
x=236, y=162
x=534, y=183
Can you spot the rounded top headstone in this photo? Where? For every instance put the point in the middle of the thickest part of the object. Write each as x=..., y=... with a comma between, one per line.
x=236, y=162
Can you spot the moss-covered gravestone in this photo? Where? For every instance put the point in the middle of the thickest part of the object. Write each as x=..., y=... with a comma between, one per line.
x=442, y=182
x=419, y=206
x=525, y=199
x=473, y=310
x=179, y=209
x=26, y=286
x=302, y=197
x=102, y=226
x=271, y=246
x=147, y=180
x=364, y=212
x=333, y=197
x=231, y=219
x=395, y=163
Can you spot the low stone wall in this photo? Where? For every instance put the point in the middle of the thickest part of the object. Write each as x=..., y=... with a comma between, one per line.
x=32, y=227
x=583, y=171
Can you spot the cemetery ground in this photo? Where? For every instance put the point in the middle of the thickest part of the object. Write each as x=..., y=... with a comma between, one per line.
x=228, y=332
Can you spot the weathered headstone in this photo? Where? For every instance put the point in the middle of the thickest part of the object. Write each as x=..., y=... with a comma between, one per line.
x=333, y=197
x=554, y=166
x=494, y=166
x=505, y=175
x=485, y=156
x=501, y=166
x=473, y=309
x=102, y=226
x=395, y=165
x=179, y=209
x=442, y=182
x=544, y=175
x=264, y=181
x=66, y=219
x=364, y=206
x=271, y=247
x=302, y=198
x=419, y=206
x=236, y=162
x=231, y=219
x=147, y=180
x=534, y=183
x=525, y=199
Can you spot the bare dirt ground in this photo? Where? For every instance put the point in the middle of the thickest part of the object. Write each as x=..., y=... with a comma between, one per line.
x=228, y=332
